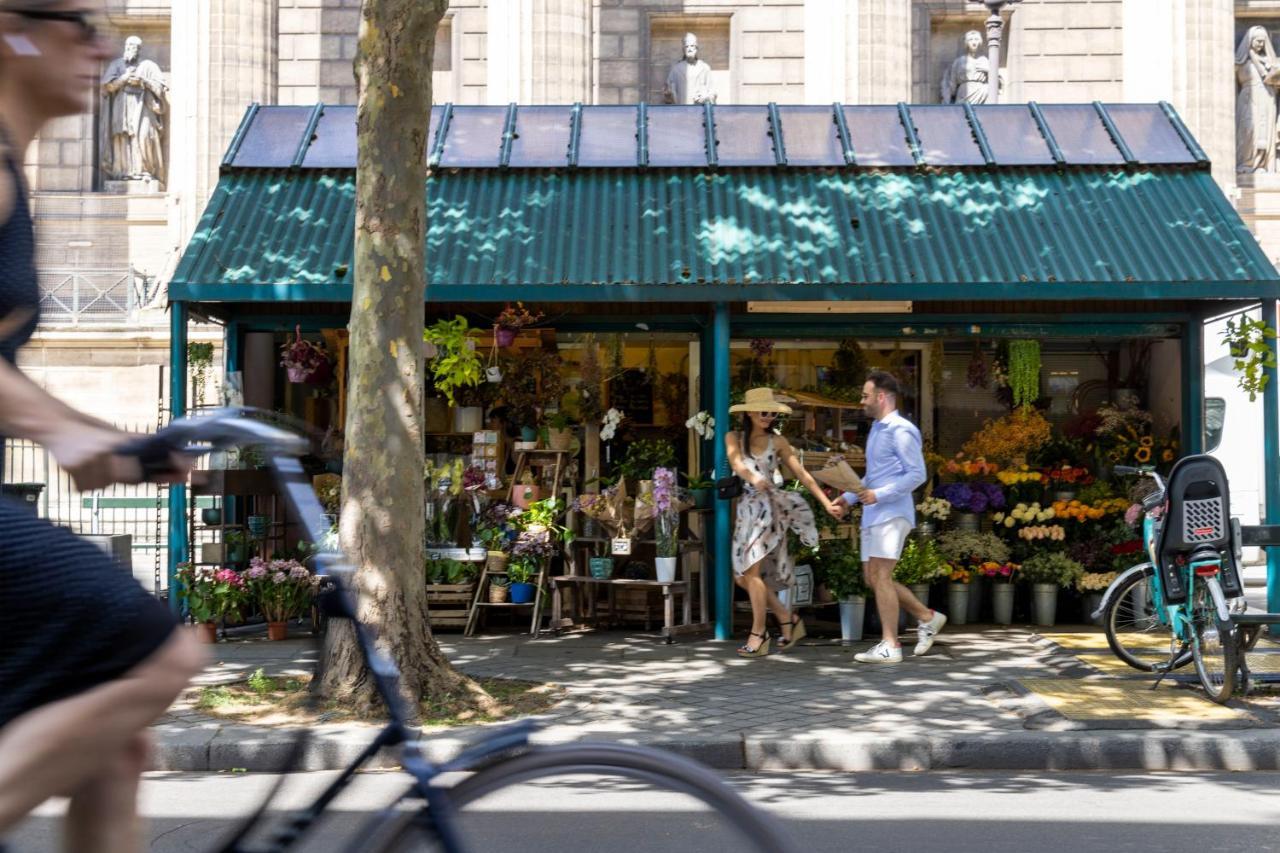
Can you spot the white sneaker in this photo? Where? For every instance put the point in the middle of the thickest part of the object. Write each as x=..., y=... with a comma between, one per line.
x=881, y=652
x=927, y=631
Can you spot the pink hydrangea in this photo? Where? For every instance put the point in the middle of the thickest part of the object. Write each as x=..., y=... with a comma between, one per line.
x=298, y=572
x=1132, y=514
x=257, y=569
x=228, y=576
x=279, y=577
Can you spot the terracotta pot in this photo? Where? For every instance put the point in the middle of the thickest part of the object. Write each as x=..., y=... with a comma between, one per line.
x=207, y=632
x=277, y=630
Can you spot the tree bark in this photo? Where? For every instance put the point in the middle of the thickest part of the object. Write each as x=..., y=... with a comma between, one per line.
x=381, y=525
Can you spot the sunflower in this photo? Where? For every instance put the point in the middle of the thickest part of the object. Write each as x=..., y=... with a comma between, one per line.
x=1167, y=456
x=1143, y=455
x=1146, y=441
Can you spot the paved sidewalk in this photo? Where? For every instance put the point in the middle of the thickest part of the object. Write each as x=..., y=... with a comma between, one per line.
x=984, y=698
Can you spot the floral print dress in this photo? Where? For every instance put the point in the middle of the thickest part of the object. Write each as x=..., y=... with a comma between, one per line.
x=760, y=533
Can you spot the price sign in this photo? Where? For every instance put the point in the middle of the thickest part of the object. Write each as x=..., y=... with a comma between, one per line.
x=622, y=547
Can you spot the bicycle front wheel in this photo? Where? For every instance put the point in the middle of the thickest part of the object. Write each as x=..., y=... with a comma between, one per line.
x=1215, y=644
x=530, y=783
x=1134, y=630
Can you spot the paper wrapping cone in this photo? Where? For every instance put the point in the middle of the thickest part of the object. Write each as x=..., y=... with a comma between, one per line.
x=840, y=476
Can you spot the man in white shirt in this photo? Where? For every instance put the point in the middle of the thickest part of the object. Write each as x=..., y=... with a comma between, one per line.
x=895, y=468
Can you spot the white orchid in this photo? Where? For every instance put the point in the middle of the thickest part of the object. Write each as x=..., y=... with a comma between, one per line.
x=609, y=426
x=703, y=424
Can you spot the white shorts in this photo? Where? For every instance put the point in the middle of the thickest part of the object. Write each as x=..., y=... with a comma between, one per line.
x=885, y=540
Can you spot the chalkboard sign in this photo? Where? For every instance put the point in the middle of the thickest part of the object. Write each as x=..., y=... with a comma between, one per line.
x=632, y=393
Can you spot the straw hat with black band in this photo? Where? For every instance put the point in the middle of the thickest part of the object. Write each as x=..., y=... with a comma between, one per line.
x=761, y=400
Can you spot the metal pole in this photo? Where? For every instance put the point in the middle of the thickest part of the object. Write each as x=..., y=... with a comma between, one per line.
x=723, y=577
x=177, y=408
x=1193, y=388
x=1271, y=459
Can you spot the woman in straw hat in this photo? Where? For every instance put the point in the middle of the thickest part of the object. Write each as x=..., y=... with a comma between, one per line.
x=761, y=564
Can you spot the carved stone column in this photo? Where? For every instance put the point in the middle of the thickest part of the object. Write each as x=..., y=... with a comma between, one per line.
x=884, y=51
x=224, y=58
x=539, y=52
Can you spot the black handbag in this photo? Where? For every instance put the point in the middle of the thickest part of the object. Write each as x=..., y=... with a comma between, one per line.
x=728, y=488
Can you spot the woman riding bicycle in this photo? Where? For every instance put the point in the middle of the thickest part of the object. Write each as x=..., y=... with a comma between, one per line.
x=88, y=660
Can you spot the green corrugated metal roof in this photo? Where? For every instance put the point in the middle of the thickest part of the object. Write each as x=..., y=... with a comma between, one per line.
x=273, y=235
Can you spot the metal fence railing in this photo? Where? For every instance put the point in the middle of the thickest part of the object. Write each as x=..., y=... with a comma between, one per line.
x=141, y=510
x=93, y=296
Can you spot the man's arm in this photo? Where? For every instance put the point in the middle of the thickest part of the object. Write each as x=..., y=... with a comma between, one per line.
x=905, y=444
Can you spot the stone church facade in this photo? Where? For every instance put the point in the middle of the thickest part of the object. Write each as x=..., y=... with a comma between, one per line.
x=106, y=248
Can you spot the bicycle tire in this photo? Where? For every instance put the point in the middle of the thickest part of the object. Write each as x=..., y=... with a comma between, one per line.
x=1214, y=645
x=758, y=830
x=1131, y=633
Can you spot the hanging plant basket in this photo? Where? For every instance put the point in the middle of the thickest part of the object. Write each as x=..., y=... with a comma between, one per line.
x=505, y=337
x=306, y=362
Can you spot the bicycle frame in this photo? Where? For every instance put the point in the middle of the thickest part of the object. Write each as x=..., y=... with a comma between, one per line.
x=299, y=495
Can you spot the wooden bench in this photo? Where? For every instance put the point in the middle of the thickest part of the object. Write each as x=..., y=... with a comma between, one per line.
x=669, y=590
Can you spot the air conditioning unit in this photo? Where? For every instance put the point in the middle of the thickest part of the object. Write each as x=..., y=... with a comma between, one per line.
x=118, y=546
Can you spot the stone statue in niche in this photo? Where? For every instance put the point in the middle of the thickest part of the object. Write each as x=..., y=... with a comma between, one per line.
x=1258, y=76
x=135, y=102
x=966, y=78
x=689, y=81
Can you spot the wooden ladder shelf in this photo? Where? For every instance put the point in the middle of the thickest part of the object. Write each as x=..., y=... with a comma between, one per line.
x=526, y=460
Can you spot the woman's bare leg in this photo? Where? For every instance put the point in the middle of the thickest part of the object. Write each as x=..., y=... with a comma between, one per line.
x=67, y=748
x=758, y=592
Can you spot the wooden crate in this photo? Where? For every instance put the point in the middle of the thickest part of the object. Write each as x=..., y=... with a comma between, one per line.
x=449, y=604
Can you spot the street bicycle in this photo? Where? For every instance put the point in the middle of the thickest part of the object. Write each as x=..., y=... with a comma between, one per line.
x=427, y=815
x=1186, y=603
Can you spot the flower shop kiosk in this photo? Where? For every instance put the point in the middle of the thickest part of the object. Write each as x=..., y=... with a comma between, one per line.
x=1059, y=260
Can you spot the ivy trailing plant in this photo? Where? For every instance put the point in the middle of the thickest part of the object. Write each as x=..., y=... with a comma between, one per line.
x=456, y=364
x=1249, y=340
x=199, y=359
x=1024, y=372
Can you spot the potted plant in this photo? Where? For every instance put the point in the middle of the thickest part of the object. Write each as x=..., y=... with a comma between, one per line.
x=499, y=589
x=532, y=379
x=560, y=431
x=456, y=364
x=646, y=456
x=237, y=546
x=282, y=589
x=1047, y=572
x=495, y=533
x=841, y=570
x=971, y=549
x=701, y=489
x=933, y=512
x=531, y=550
x=471, y=400
x=511, y=321
x=306, y=361
x=209, y=595
x=666, y=523
x=199, y=360
x=1001, y=576
x=969, y=500
x=211, y=516
x=919, y=566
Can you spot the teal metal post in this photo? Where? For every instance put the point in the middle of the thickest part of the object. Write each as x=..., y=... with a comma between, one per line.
x=723, y=577
x=1271, y=460
x=177, y=408
x=1193, y=387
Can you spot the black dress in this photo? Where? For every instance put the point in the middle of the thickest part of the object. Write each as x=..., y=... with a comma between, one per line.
x=70, y=618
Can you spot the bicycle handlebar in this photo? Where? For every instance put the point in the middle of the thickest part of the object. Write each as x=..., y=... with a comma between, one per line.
x=221, y=429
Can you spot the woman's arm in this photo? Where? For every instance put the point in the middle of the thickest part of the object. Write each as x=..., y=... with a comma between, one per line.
x=739, y=465
x=790, y=459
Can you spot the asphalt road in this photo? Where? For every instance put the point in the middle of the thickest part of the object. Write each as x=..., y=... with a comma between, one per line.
x=885, y=812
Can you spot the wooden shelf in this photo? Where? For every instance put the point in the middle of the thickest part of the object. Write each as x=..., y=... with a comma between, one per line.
x=503, y=604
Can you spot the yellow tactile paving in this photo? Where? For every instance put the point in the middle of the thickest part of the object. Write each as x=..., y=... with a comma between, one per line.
x=1099, y=641
x=1262, y=662
x=1109, y=664
x=1087, y=701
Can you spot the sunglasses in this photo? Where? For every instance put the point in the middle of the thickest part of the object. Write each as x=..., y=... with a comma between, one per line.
x=90, y=23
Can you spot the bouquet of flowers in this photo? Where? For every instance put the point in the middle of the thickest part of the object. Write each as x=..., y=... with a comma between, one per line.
x=963, y=548
x=936, y=509
x=1018, y=433
x=1052, y=532
x=998, y=572
x=609, y=508
x=960, y=574
x=1125, y=554
x=1021, y=476
x=1084, y=512
x=516, y=318
x=1068, y=476
x=972, y=497
x=1095, y=581
x=211, y=594
x=1024, y=513
x=1051, y=567
x=281, y=588
x=961, y=469
x=703, y=424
